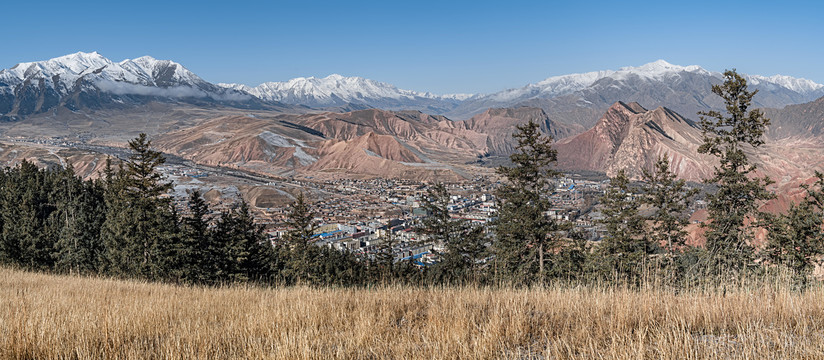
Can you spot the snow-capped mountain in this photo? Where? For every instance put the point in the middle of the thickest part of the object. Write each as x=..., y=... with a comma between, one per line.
x=89, y=80
x=581, y=98
x=337, y=90
x=799, y=85
x=655, y=71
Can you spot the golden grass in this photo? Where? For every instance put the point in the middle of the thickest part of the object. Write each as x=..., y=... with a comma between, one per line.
x=46, y=316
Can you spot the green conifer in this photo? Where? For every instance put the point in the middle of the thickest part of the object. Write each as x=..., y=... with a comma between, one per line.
x=522, y=230
x=735, y=205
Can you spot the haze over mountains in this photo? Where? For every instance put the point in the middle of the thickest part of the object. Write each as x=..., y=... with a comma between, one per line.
x=359, y=127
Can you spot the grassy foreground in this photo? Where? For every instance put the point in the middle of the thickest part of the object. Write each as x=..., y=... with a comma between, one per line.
x=46, y=316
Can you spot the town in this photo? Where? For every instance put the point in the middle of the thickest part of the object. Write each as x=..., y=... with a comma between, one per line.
x=359, y=216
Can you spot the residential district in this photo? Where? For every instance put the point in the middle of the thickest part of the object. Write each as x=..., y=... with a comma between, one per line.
x=358, y=216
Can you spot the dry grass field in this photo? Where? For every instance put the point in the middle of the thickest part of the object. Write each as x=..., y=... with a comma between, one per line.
x=63, y=317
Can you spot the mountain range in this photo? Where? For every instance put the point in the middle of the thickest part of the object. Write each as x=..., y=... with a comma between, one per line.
x=414, y=145
x=349, y=126
x=336, y=90
x=91, y=81
x=582, y=98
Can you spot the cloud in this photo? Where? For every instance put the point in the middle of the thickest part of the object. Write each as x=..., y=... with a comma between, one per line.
x=124, y=88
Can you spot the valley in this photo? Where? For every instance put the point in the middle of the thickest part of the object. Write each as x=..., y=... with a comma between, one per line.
x=365, y=152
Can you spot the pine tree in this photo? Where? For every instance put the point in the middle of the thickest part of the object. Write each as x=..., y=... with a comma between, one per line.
x=297, y=251
x=340, y=268
x=31, y=227
x=570, y=260
x=669, y=199
x=141, y=226
x=10, y=251
x=49, y=219
x=625, y=248
x=473, y=250
x=522, y=228
x=383, y=265
x=246, y=248
x=80, y=216
x=464, y=242
x=196, y=253
x=735, y=204
x=796, y=239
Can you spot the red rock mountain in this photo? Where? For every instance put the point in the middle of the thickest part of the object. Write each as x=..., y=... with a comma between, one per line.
x=365, y=143
x=410, y=144
x=630, y=137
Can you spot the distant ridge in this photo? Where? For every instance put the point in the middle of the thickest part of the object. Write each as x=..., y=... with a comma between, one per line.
x=337, y=90
x=582, y=98
x=88, y=81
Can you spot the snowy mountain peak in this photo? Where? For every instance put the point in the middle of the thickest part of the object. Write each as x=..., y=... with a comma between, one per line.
x=72, y=64
x=800, y=85
x=566, y=84
x=143, y=59
x=58, y=81
x=144, y=70
x=655, y=66
x=80, y=61
x=336, y=90
x=91, y=73
x=658, y=69
x=652, y=83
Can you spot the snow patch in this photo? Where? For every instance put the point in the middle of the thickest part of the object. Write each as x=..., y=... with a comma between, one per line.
x=304, y=158
x=275, y=139
x=371, y=153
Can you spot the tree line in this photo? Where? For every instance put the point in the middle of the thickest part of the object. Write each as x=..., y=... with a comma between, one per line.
x=653, y=245
x=125, y=225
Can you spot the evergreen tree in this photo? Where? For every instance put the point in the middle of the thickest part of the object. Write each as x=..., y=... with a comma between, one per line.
x=669, y=200
x=246, y=248
x=464, y=242
x=49, y=219
x=29, y=228
x=729, y=239
x=80, y=215
x=625, y=248
x=297, y=250
x=522, y=230
x=384, y=269
x=340, y=268
x=569, y=261
x=10, y=251
x=796, y=239
x=198, y=256
x=298, y=260
x=141, y=227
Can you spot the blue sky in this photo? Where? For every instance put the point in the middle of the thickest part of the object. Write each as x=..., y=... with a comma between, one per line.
x=440, y=46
